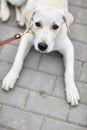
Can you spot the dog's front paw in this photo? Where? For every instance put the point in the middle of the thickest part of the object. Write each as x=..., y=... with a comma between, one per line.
x=72, y=95
x=9, y=81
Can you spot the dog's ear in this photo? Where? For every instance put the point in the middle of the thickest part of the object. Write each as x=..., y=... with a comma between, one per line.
x=68, y=19
x=28, y=15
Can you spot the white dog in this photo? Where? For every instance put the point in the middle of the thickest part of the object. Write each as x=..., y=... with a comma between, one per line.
x=50, y=20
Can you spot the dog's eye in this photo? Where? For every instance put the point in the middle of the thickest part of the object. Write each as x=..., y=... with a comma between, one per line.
x=55, y=26
x=38, y=24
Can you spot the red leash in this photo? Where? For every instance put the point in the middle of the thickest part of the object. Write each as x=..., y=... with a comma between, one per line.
x=15, y=37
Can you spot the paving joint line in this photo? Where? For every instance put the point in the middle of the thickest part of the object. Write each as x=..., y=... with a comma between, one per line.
x=39, y=62
x=42, y=122
x=54, y=85
x=26, y=100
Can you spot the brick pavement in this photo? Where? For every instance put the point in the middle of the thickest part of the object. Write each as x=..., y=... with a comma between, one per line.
x=41, y=104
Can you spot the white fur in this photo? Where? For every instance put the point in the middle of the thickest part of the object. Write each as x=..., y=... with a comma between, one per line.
x=47, y=12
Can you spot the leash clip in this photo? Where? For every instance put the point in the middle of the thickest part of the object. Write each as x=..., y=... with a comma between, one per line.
x=17, y=36
x=28, y=31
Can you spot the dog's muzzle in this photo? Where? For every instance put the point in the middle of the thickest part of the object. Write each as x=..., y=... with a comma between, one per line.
x=42, y=46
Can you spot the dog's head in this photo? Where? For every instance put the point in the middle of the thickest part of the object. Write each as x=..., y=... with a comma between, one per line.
x=47, y=25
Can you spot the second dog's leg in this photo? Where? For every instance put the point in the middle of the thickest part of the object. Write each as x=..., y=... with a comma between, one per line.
x=19, y=17
x=12, y=76
x=5, y=11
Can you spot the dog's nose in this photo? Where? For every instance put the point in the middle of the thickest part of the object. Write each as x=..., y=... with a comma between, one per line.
x=42, y=46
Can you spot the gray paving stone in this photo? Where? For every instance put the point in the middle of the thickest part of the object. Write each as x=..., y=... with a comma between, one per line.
x=78, y=32
x=48, y=105
x=50, y=124
x=82, y=3
x=80, y=51
x=77, y=70
x=83, y=76
x=59, y=88
x=80, y=14
x=15, y=97
x=16, y=119
x=54, y=53
x=82, y=87
x=8, y=53
x=36, y=81
x=52, y=64
x=78, y=115
x=3, y=128
x=0, y=49
x=32, y=60
x=4, y=68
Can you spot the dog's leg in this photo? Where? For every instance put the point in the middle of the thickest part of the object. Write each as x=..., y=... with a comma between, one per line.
x=5, y=11
x=12, y=76
x=19, y=17
x=72, y=94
